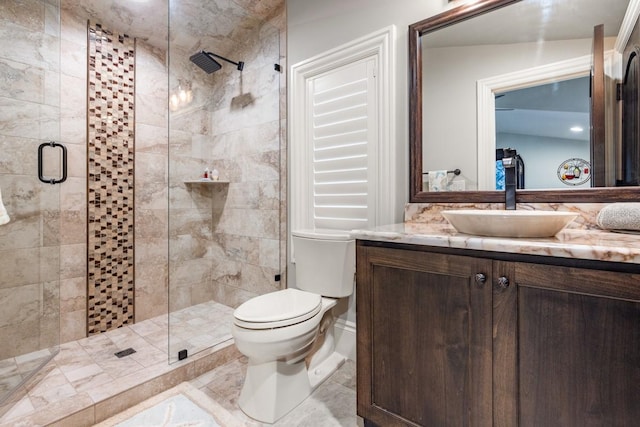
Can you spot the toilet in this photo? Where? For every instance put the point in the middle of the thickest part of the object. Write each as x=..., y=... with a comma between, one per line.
x=287, y=335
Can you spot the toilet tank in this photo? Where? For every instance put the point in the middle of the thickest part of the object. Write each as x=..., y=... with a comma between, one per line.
x=325, y=262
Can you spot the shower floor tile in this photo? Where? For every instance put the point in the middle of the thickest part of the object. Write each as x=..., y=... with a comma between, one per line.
x=86, y=371
x=14, y=370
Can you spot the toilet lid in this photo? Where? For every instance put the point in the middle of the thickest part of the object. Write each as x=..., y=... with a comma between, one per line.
x=277, y=309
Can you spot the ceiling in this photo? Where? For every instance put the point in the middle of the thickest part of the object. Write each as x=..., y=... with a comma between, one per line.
x=548, y=110
x=549, y=124
x=533, y=20
x=183, y=20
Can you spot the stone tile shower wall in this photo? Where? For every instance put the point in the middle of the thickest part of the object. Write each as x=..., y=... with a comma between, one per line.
x=110, y=180
x=150, y=176
x=215, y=255
x=227, y=242
x=249, y=148
x=29, y=243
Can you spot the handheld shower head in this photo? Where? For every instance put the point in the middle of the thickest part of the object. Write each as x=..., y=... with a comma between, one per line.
x=207, y=61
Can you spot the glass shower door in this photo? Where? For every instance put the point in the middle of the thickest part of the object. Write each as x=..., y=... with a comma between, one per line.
x=29, y=234
x=224, y=233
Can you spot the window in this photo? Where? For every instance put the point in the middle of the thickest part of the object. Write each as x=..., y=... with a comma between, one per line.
x=341, y=155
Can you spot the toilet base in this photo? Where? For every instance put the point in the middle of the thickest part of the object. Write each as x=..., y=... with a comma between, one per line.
x=323, y=360
x=272, y=389
x=324, y=369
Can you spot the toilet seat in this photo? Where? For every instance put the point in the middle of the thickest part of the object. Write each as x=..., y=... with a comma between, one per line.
x=277, y=309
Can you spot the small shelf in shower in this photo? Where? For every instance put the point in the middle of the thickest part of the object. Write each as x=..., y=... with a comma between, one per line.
x=204, y=182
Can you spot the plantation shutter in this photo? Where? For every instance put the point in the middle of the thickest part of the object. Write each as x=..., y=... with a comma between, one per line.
x=343, y=136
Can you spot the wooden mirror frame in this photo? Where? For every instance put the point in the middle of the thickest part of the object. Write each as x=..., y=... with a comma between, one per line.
x=416, y=195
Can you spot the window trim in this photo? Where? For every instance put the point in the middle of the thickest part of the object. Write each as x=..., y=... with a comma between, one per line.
x=377, y=45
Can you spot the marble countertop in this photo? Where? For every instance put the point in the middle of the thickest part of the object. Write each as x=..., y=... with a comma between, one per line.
x=570, y=243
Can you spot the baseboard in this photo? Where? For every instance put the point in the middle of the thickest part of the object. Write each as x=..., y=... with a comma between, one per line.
x=345, y=334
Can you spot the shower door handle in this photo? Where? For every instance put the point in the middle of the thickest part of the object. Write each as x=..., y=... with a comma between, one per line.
x=41, y=177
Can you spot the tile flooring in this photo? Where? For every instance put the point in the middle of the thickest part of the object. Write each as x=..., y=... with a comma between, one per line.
x=195, y=328
x=15, y=370
x=332, y=404
x=85, y=383
x=86, y=375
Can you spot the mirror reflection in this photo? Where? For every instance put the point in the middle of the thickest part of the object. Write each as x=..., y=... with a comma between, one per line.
x=548, y=126
x=518, y=77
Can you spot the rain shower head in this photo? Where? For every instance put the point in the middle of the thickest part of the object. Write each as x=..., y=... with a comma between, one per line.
x=207, y=61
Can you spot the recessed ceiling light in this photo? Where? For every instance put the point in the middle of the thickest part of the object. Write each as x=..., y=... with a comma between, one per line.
x=576, y=129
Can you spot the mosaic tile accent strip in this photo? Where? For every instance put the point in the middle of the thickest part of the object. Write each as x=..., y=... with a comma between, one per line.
x=110, y=179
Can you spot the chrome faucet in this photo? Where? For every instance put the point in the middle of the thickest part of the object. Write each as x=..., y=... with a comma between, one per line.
x=509, y=162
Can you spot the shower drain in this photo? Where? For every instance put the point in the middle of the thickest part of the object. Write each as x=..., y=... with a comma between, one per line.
x=125, y=352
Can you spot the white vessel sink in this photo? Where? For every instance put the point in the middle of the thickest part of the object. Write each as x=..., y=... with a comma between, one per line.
x=516, y=223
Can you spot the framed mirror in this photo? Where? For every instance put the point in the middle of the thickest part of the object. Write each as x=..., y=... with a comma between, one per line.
x=534, y=53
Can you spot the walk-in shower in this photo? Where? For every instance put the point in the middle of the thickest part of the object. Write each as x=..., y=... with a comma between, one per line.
x=134, y=232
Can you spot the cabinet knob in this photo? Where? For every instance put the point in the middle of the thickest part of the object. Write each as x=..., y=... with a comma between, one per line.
x=503, y=282
x=480, y=279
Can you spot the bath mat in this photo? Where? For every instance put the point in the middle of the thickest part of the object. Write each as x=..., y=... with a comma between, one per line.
x=183, y=405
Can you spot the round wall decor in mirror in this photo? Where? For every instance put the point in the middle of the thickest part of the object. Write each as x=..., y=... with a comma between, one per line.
x=574, y=172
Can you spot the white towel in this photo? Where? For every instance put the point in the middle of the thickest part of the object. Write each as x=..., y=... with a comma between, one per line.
x=438, y=180
x=4, y=216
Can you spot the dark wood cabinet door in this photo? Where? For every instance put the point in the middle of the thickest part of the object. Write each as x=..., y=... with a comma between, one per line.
x=578, y=347
x=424, y=338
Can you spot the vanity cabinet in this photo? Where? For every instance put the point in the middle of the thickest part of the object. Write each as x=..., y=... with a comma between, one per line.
x=450, y=338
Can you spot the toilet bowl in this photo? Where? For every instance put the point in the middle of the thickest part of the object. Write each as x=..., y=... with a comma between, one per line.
x=279, y=330
x=277, y=379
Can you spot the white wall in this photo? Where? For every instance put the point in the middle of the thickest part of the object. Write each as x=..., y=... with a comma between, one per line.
x=542, y=156
x=317, y=26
